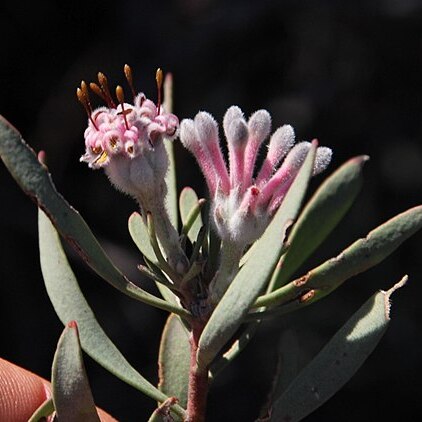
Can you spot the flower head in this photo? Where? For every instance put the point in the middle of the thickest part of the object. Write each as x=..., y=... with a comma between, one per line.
x=244, y=202
x=126, y=130
x=127, y=141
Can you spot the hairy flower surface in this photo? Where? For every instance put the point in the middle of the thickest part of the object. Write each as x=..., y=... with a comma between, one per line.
x=126, y=140
x=242, y=202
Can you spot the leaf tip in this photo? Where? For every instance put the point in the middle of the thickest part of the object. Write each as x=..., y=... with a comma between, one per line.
x=135, y=214
x=42, y=157
x=361, y=159
x=388, y=293
x=186, y=189
x=72, y=324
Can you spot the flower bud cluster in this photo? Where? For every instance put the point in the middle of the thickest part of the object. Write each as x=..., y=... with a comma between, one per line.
x=242, y=202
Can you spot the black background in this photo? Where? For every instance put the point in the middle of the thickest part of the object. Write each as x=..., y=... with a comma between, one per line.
x=347, y=73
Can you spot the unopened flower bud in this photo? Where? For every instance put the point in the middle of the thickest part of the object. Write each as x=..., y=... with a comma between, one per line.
x=322, y=159
x=241, y=212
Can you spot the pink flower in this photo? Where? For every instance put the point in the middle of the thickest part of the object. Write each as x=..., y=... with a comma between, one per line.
x=242, y=202
x=127, y=141
x=126, y=130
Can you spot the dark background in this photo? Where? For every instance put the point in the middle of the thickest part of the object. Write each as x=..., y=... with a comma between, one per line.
x=348, y=73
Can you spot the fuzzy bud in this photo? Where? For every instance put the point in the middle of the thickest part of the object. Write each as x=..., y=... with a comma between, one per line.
x=206, y=128
x=242, y=211
x=232, y=113
x=188, y=135
x=281, y=143
x=322, y=159
x=260, y=125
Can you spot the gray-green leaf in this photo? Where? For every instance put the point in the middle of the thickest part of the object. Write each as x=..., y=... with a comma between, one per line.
x=36, y=182
x=174, y=360
x=358, y=257
x=188, y=203
x=171, y=179
x=251, y=279
x=320, y=216
x=139, y=233
x=44, y=410
x=72, y=395
x=337, y=362
x=70, y=305
x=364, y=253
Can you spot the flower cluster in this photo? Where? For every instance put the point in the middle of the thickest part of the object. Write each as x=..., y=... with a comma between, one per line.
x=127, y=141
x=127, y=130
x=242, y=203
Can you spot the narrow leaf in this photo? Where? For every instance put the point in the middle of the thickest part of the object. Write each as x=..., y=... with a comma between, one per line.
x=43, y=411
x=70, y=304
x=171, y=180
x=139, y=233
x=338, y=361
x=171, y=197
x=72, y=395
x=35, y=181
x=174, y=360
x=320, y=216
x=367, y=252
x=251, y=279
x=188, y=205
x=358, y=257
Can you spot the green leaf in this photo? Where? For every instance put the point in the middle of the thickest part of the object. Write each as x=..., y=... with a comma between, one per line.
x=43, y=411
x=358, y=257
x=174, y=360
x=190, y=207
x=171, y=179
x=337, y=362
x=72, y=395
x=70, y=305
x=365, y=253
x=320, y=216
x=249, y=282
x=35, y=181
x=139, y=233
x=171, y=197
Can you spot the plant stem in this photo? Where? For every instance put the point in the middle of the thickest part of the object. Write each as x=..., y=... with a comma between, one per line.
x=198, y=379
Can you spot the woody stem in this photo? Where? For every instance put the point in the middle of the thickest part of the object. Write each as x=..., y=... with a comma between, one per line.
x=198, y=380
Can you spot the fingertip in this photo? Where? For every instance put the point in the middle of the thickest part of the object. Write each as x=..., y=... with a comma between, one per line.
x=21, y=392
